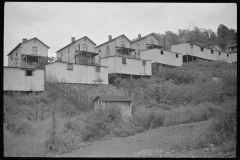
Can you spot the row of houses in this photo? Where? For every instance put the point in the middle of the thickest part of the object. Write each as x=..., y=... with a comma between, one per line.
x=84, y=62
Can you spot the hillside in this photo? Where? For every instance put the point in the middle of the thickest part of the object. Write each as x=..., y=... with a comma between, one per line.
x=62, y=118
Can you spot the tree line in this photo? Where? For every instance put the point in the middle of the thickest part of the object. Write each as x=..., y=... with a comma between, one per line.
x=199, y=36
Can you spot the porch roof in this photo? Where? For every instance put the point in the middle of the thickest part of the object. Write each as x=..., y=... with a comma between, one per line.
x=84, y=53
x=154, y=45
x=124, y=49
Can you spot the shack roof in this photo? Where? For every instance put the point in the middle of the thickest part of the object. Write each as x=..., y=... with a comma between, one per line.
x=114, y=98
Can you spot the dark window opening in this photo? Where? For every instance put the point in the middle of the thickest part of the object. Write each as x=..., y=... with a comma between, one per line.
x=219, y=53
x=202, y=49
x=176, y=55
x=28, y=73
x=161, y=52
x=124, y=61
x=16, y=54
x=144, y=63
x=227, y=55
x=97, y=68
x=69, y=67
x=211, y=51
x=99, y=50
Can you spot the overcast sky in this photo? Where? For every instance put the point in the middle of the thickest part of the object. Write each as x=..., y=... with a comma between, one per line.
x=55, y=23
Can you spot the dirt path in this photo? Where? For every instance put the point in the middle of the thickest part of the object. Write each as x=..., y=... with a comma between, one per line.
x=153, y=142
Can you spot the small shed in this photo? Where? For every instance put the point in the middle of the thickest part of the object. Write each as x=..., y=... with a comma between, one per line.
x=123, y=102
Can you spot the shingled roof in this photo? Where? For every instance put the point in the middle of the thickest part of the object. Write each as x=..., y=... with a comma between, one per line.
x=114, y=98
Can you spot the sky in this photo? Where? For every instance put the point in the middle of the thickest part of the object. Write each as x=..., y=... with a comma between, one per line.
x=54, y=23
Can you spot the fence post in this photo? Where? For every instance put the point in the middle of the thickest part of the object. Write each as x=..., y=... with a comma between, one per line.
x=42, y=115
x=36, y=114
x=28, y=115
x=53, y=128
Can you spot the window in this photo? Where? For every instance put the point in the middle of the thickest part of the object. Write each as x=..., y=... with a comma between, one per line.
x=34, y=50
x=68, y=49
x=211, y=51
x=232, y=48
x=69, y=66
x=99, y=50
x=138, y=43
x=97, y=68
x=124, y=61
x=122, y=44
x=84, y=47
x=219, y=53
x=227, y=55
x=202, y=49
x=99, y=102
x=16, y=54
x=28, y=73
x=161, y=52
x=144, y=63
x=11, y=57
x=152, y=41
x=176, y=55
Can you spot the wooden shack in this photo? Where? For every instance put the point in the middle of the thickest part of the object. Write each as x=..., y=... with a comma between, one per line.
x=123, y=102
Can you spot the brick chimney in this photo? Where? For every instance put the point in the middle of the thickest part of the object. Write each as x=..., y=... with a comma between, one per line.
x=139, y=35
x=24, y=39
x=109, y=37
x=73, y=39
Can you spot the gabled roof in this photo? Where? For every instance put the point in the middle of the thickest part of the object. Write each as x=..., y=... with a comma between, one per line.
x=25, y=42
x=232, y=45
x=145, y=37
x=75, y=41
x=114, y=98
x=113, y=40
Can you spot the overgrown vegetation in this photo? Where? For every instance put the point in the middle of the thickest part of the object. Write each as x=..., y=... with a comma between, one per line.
x=174, y=96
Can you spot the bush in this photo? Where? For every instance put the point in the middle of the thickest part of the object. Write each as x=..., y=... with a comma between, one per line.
x=100, y=123
x=146, y=119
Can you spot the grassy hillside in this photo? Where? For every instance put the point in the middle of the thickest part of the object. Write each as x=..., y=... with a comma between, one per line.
x=174, y=96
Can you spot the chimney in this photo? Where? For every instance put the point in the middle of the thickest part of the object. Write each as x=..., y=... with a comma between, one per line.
x=109, y=37
x=139, y=35
x=73, y=39
x=24, y=39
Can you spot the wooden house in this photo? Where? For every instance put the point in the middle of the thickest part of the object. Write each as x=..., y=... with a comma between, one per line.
x=149, y=41
x=74, y=52
x=115, y=53
x=122, y=102
x=27, y=53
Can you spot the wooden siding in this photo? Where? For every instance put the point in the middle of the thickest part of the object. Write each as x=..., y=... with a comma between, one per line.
x=15, y=80
x=168, y=58
x=82, y=74
x=132, y=66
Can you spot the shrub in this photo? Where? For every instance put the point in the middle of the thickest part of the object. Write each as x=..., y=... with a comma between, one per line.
x=146, y=119
x=100, y=123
